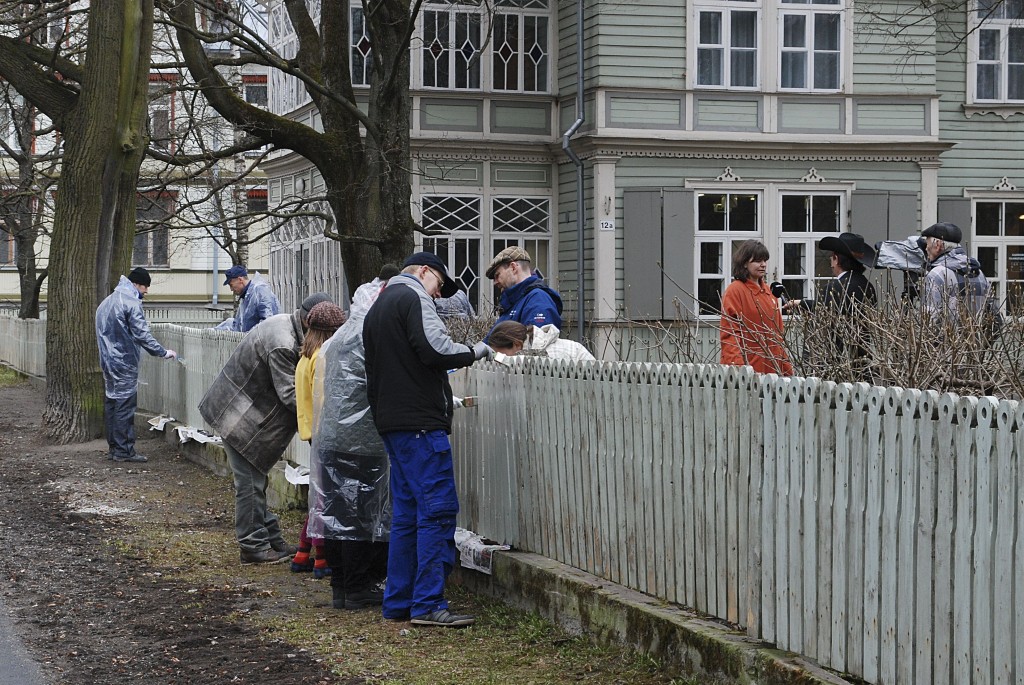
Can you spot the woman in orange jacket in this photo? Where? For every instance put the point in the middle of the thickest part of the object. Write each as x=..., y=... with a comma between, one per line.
x=751, y=329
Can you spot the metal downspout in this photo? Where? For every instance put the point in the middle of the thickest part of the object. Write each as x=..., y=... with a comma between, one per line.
x=566, y=145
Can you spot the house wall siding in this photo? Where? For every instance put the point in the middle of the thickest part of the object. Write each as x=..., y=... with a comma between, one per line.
x=893, y=60
x=626, y=45
x=988, y=146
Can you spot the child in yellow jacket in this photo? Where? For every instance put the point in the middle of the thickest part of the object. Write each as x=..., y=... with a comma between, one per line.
x=324, y=319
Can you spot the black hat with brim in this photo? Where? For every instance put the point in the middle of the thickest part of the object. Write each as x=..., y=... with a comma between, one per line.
x=850, y=244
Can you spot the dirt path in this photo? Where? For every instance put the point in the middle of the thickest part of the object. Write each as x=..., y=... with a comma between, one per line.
x=126, y=574
x=86, y=602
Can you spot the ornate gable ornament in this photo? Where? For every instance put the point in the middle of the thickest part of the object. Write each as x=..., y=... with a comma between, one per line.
x=728, y=175
x=812, y=176
x=1004, y=184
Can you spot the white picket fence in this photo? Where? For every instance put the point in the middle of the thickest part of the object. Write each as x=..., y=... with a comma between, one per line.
x=879, y=531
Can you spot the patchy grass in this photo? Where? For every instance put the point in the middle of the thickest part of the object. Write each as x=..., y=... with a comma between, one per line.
x=9, y=377
x=191, y=543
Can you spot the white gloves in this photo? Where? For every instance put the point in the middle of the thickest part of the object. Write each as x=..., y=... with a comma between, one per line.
x=171, y=354
x=456, y=402
x=483, y=351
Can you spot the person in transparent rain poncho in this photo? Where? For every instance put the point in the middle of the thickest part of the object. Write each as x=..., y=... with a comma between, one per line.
x=349, y=497
x=121, y=332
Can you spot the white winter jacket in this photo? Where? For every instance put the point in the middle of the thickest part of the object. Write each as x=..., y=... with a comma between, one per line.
x=546, y=340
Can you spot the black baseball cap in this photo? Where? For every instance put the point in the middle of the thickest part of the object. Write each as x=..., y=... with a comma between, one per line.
x=449, y=287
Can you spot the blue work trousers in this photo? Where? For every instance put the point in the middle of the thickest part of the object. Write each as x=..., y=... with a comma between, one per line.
x=119, y=417
x=424, y=506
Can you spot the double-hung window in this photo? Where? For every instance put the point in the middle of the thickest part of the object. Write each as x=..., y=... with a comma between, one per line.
x=8, y=253
x=997, y=51
x=810, y=36
x=727, y=46
x=152, y=234
x=772, y=45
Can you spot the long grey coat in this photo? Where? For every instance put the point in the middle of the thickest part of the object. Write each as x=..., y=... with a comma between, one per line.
x=251, y=404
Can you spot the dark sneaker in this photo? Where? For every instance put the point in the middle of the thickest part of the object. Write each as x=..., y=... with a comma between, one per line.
x=266, y=556
x=283, y=546
x=321, y=572
x=134, y=459
x=443, y=618
x=364, y=599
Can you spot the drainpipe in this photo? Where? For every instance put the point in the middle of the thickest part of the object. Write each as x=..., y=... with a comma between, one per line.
x=566, y=145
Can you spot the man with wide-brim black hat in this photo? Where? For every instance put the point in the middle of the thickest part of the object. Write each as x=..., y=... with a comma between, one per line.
x=849, y=257
x=847, y=291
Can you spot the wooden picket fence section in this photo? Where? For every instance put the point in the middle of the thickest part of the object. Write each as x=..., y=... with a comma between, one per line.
x=879, y=531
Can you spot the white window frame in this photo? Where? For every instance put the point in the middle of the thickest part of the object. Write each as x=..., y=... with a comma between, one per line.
x=485, y=12
x=768, y=227
x=522, y=51
x=456, y=13
x=356, y=14
x=810, y=12
x=487, y=235
x=982, y=20
x=999, y=279
x=770, y=41
x=726, y=11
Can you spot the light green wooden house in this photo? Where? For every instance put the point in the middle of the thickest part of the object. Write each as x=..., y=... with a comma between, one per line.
x=707, y=123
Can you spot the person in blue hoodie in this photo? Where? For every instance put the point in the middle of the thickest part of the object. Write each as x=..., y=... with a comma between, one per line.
x=256, y=300
x=121, y=330
x=524, y=297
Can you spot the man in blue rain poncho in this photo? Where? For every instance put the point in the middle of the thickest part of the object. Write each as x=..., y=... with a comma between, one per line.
x=256, y=301
x=349, y=501
x=121, y=330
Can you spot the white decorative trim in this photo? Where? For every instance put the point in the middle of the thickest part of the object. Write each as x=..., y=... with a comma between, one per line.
x=482, y=156
x=758, y=156
x=1004, y=111
x=728, y=175
x=812, y=176
x=1004, y=184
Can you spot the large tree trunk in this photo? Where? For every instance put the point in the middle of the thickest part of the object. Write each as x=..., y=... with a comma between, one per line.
x=95, y=215
x=382, y=211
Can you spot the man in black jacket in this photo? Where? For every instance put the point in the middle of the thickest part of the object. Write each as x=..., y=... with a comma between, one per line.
x=408, y=355
x=838, y=303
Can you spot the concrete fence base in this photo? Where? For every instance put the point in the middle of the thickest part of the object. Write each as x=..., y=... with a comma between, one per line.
x=682, y=642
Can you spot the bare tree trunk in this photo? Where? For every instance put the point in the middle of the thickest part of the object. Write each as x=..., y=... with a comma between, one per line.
x=94, y=224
